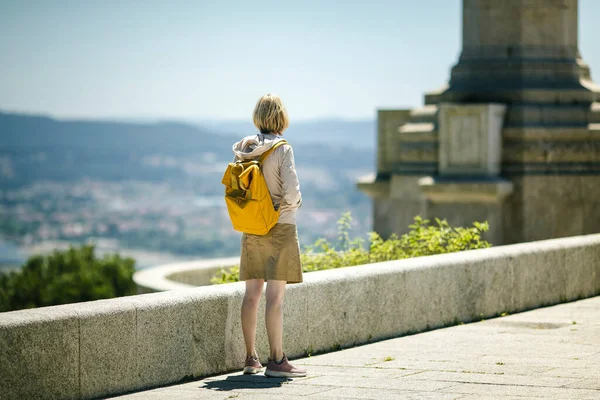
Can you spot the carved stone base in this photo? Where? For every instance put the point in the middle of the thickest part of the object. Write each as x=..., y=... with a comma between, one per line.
x=470, y=139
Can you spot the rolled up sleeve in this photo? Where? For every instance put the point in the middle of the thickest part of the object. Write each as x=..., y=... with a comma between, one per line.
x=289, y=179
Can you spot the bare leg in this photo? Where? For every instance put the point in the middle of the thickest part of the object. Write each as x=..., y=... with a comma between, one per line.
x=274, y=318
x=249, y=313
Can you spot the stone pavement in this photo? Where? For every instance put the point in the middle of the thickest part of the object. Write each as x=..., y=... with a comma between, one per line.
x=548, y=353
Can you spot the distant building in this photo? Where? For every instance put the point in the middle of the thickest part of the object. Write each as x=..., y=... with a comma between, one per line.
x=514, y=138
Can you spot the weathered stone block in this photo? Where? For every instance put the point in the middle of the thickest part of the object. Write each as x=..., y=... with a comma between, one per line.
x=388, y=122
x=394, y=216
x=39, y=354
x=343, y=310
x=582, y=270
x=107, y=347
x=486, y=284
x=406, y=187
x=164, y=337
x=470, y=139
x=465, y=192
x=540, y=276
x=295, y=322
x=211, y=320
x=346, y=310
x=432, y=298
x=545, y=220
x=540, y=189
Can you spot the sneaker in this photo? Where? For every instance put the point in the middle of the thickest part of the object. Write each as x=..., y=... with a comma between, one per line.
x=252, y=365
x=283, y=369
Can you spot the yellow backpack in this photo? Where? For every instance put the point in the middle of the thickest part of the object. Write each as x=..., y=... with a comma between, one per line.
x=247, y=196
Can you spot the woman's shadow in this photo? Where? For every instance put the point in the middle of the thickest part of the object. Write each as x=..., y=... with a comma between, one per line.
x=233, y=382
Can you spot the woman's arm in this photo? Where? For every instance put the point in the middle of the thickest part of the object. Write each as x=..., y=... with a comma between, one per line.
x=289, y=178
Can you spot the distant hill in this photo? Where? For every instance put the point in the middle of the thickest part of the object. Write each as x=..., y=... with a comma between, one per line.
x=359, y=134
x=36, y=148
x=21, y=131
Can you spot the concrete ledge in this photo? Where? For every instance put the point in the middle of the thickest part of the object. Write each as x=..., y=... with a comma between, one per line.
x=101, y=348
x=480, y=190
x=180, y=275
x=374, y=188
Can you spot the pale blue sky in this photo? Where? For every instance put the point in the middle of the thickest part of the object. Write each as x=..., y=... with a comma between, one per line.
x=213, y=59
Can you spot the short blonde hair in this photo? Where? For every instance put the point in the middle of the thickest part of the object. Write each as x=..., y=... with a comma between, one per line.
x=270, y=115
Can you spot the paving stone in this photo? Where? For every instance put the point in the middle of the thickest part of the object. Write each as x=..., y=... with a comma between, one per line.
x=585, y=371
x=526, y=391
x=473, y=366
x=361, y=393
x=175, y=393
x=490, y=397
x=587, y=384
x=381, y=383
x=506, y=379
x=339, y=358
x=284, y=391
x=261, y=396
x=363, y=372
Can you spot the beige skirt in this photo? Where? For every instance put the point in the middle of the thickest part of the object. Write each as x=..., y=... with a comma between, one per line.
x=274, y=256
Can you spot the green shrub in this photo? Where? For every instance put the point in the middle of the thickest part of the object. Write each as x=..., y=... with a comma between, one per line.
x=67, y=276
x=423, y=239
x=227, y=275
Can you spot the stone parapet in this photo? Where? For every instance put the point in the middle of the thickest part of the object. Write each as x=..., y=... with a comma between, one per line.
x=180, y=275
x=106, y=347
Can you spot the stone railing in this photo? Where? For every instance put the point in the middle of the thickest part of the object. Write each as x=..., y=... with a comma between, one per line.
x=106, y=347
x=183, y=275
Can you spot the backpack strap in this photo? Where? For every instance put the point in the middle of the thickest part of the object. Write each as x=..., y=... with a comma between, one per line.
x=267, y=153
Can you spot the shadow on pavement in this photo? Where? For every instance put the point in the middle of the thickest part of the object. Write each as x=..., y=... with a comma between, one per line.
x=244, y=382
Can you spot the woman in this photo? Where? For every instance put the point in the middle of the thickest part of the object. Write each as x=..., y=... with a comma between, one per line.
x=274, y=257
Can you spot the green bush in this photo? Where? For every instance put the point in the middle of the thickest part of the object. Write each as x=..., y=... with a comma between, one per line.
x=67, y=276
x=423, y=239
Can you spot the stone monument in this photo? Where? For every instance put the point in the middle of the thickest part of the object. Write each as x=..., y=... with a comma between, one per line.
x=513, y=138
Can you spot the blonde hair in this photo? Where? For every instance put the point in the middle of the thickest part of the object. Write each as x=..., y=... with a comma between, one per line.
x=269, y=115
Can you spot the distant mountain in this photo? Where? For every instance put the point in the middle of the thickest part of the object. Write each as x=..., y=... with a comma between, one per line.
x=21, y=131
x=359, y=134
x=36, y=148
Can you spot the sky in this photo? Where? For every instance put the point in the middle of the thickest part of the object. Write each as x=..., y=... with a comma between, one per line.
x=211, y=60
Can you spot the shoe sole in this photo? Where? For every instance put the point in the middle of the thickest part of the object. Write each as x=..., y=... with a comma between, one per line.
x=281, y=374
x=251, y=370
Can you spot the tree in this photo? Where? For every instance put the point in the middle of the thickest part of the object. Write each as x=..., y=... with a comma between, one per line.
x=69, y=276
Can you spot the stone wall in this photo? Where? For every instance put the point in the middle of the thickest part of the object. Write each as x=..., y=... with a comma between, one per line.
x=105, y=347
x=183, y=275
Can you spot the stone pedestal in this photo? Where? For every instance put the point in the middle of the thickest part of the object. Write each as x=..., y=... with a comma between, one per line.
x=514, y=137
